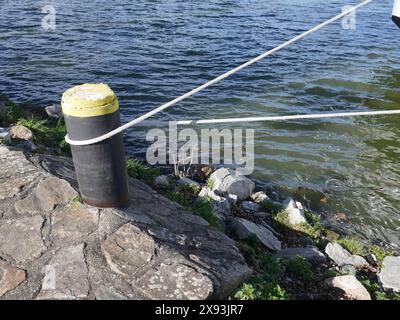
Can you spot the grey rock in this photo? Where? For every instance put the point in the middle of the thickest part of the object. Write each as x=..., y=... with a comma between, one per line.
x=66, y=276
x=260, y=197
x=342, y=257
x=188, y=182
x=10, y=277
x=311, y=254
x=21, y=239
x=106, y=293
x=389, y=276
x=17, y=173
x=54, y=111
x=220, y=205
x=228, y=181
x=5, y=134
x=128, y=250
x=161, y=181
x=350, y=286
x=73, y=224
x=49, y=193
x=245, y=229
x=124, y=248
x=295, y=211
x=27, y=145
x=251, y=207
x=20, y=132
x=176, y=282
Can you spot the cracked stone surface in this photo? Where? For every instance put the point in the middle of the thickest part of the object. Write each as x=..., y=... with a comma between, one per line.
x=10, y=277
x=175, y=281
x=154, y=249
x=49, y=193
x=21, y=239
x=128, y=249
x=66, y=276
x=16, y=172
x=73, y=224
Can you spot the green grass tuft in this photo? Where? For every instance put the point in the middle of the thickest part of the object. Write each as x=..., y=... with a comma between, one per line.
x=204, y=209
x=265, y=285
x=299, y=268
x=352, y=245
x=138, y=170
x=380, y=253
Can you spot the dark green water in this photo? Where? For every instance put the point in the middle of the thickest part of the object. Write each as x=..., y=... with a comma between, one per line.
x=152, y=51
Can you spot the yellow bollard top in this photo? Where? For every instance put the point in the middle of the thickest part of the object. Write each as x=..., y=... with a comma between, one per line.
x=89, y=100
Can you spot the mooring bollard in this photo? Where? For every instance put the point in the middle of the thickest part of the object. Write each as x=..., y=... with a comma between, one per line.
x=91, y=110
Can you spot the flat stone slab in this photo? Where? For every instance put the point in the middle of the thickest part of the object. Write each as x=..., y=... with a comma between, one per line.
x=10, y=277
x=16, y=172
x=128, y=249
x=245, y=229
x=21, y=239
x=73, y=224
x=66, y=276
x=342, y=257
x=176, y=282
x=351, y=287
x=49, y=193
x=154, y=249
x=389, y=276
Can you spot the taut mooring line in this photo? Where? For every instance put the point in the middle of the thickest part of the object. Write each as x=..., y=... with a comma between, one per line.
x=221, y=77
x=291, y=117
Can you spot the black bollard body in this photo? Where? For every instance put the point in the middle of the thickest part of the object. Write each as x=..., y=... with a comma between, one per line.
x=91, y=110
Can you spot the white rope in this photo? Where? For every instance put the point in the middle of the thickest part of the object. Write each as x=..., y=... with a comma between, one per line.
x=293, y=117
x=206, y=85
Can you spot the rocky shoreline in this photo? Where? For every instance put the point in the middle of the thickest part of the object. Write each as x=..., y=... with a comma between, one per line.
x=210, y=226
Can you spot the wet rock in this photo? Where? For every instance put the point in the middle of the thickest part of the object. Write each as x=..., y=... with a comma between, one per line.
x=21, y=239
x=161, y=181
x=73, y=224
x=244, y=229
x=228, y=181
x=175, y=282
x=54, y=111
x=342, y=257
x=106, y=293
x=351, y=287
x=5, y=134
x=49, y=193
x=220, y=205
x=21, y=133
x=188, y=182
x=251, y=207
x=389, y=276
x=295, y=211
x=10, y=277
x=260, y=197
x=128, y=250
x=311, y=254
x=66, y=276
